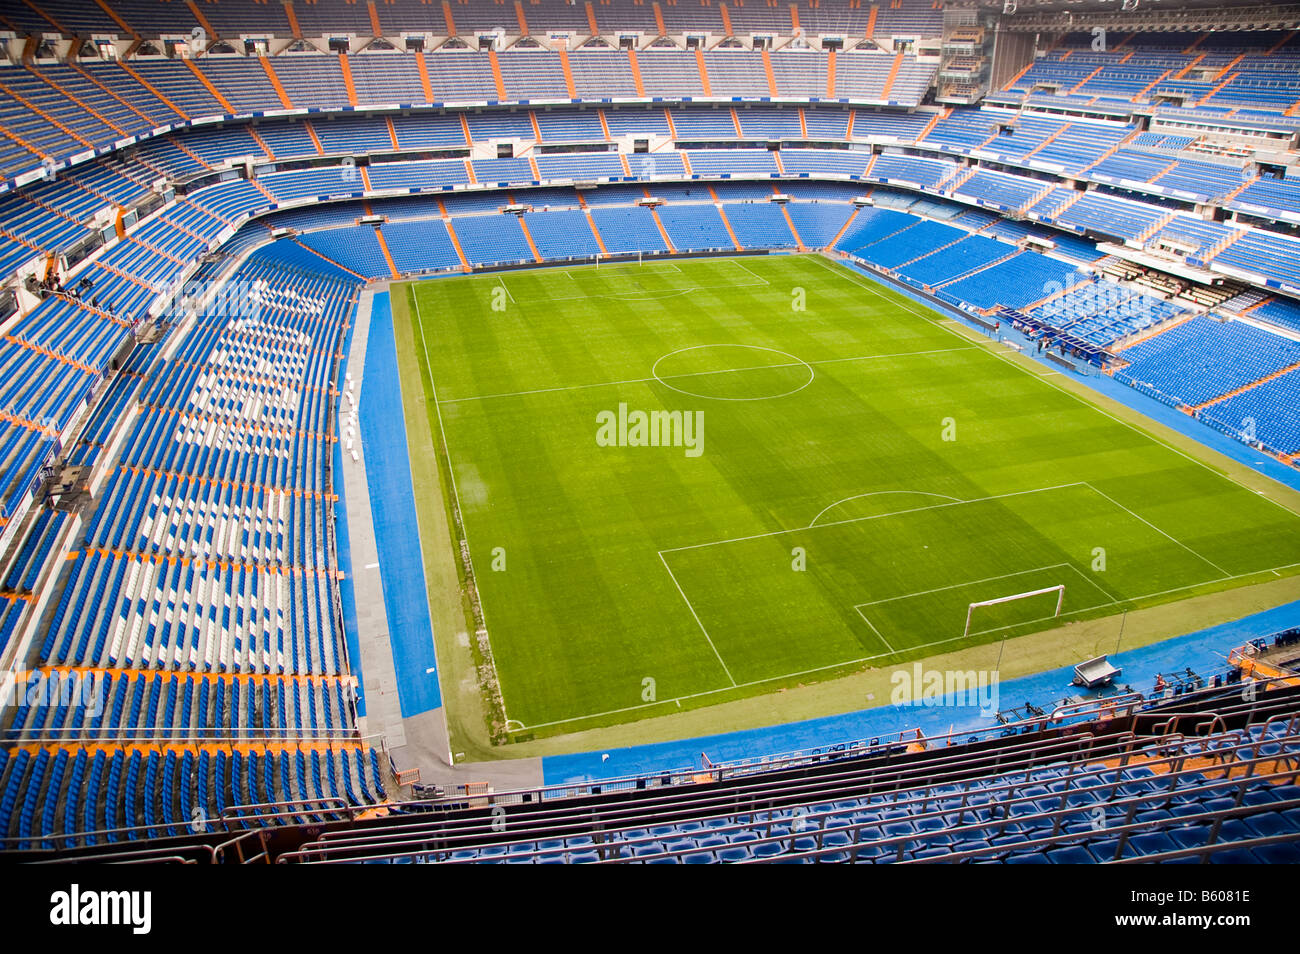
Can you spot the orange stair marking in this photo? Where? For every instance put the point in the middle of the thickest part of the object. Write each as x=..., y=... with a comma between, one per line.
x=143, y=115
x=261, y=143
x=893, y=74
x=388, y=256
x=568, y=79
x=423, y=69
x=364, y=278
x=591, y=20
x=771, y=76
x=847, y=222
x=464, y=127
x=496, y=75
x=1229, y=66
x=58, y=26
x=275, y=82
x=793, y=231
x=871, y=22
x=1279, y=44
x=1016, y=79
x=320, y=150
x=600, y=242
x=374, y=18
x=1246, y=387
x=537, y=130
x=1207, y=96
x=293, y=20
x=636, y=73
x=203, y=21
x=47, y=117
x=346, y=68
x=85, y=106
x=116, y=19
x=519, y=15
x=663, y=232
x=726, y=20
x=704, y=74
x=830, y=74
x=528, y=236
x=1190, y=66
x=455, y=242
x=392, y=132
x=659, y=18
x=262, y=189
x=725, y=221
x=446, y=15
x=216, y=93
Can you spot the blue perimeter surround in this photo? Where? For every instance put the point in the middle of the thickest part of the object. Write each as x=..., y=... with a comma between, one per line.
x=343, y=544
x=1204, y=651
x=392, y=508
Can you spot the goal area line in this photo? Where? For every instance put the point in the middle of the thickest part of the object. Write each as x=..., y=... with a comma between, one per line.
x=1078, y=577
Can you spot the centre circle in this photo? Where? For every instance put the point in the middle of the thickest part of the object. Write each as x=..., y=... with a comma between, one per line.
x=732, y=372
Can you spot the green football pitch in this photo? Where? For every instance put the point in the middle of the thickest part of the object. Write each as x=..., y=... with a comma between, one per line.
x=840, y=477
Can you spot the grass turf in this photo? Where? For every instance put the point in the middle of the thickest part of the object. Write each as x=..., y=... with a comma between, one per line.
x=913, y=470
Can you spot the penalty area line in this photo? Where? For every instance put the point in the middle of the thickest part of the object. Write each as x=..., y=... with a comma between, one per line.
x=696, y=615
x=863, y=659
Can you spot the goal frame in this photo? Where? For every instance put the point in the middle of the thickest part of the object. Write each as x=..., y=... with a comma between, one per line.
x=1058, y=589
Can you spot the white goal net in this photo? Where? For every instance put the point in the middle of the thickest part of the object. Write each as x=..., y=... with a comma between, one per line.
x=1059, y=590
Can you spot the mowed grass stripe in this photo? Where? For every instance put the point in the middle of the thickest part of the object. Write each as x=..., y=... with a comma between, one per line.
x=585, y=612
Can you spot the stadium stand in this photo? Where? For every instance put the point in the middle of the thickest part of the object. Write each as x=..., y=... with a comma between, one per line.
x=1134, y=200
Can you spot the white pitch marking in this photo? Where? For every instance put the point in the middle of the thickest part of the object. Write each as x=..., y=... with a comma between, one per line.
x=853, y=662
x=730, y=677
x=852, y=276
x=878, y=516
x=881, y=493
x=1107, y=496
x=650, y=380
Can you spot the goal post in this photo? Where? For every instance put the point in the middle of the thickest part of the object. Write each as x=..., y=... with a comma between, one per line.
x=1059, y=590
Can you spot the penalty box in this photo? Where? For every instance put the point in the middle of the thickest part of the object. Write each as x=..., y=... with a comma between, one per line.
x=857, y=587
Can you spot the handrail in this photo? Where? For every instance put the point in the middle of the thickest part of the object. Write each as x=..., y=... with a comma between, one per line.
x=809, y=822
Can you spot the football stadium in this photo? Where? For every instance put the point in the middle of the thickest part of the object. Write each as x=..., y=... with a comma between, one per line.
x=631, y=432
